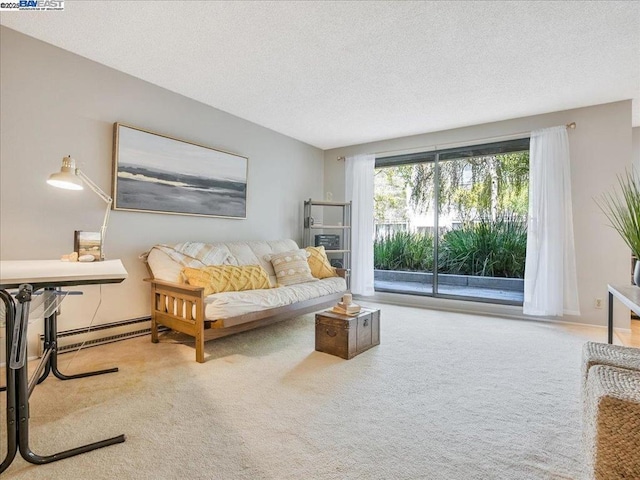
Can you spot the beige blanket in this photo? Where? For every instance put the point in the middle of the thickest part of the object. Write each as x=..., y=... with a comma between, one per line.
x=195, y=254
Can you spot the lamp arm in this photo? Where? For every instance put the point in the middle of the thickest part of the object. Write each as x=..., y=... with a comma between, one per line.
x=103, y=229
x=98, y=191
x=106, y=198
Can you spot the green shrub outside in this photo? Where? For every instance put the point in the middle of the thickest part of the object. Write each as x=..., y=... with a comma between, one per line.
x=484, y=248
x=404, y=251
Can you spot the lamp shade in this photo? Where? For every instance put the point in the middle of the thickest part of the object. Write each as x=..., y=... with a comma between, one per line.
x=66, y=177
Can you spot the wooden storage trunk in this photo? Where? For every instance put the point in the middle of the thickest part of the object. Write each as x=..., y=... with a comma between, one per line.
x=346, y=336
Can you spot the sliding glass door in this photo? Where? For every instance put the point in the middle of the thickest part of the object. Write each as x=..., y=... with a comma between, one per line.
x=404, y=245
x=452, y=223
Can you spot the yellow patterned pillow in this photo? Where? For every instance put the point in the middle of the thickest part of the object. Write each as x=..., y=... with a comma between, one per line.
x=227, y=278
x=291, y=267
x=319, y=263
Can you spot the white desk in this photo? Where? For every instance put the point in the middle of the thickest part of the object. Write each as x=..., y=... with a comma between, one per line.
x=28, y=276
x=54, y=272
x=629, y=295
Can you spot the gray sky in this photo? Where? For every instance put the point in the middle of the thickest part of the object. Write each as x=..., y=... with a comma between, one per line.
x=148, y=150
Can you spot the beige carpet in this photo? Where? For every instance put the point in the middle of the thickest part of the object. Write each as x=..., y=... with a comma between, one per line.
x=445, y=396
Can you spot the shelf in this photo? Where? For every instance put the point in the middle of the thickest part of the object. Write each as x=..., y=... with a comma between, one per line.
x=336, y=232
x=329, y=227
x=327, y=204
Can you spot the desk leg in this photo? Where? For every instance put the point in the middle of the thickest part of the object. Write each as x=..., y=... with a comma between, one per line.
x=51, y=342
x=610, y=319
x=23, y=429
x=21, y=387
x=12, y=426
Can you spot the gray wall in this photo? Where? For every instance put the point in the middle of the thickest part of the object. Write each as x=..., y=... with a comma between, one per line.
x=601, y=148
x=55, y=103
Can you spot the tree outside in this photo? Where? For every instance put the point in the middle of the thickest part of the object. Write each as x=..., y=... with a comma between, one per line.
x=474, y=188
x=392, y=205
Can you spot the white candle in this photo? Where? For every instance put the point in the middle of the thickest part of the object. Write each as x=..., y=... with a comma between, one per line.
x=347, y=298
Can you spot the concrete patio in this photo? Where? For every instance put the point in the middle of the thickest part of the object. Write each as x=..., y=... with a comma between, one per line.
x=420, y=283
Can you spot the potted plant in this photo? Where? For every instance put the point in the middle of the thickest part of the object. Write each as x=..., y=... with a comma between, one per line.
x=623, y=211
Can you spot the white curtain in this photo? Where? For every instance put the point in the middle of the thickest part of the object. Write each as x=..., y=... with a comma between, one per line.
x=359, y=190
x=550, y=278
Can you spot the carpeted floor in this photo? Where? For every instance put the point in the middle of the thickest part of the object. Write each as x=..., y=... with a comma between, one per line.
x=445, y=396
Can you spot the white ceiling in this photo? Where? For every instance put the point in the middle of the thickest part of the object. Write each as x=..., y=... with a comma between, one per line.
x=341, y=73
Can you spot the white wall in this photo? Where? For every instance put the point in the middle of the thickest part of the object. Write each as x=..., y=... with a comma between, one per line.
x=600, y=149
x=636, y=147
x=55, y=103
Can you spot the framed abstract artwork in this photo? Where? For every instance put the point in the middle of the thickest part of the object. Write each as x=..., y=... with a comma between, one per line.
x=160, y=174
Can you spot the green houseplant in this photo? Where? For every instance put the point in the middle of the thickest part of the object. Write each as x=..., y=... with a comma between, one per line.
x=623, y=211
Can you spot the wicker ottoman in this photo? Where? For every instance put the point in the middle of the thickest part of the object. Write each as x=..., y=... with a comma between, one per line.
x=612, y=423
x=606, y=354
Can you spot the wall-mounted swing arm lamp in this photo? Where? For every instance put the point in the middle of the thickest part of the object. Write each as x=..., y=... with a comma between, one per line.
x=71, y=178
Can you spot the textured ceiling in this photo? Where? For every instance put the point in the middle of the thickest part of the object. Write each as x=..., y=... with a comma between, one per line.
x=340, y=73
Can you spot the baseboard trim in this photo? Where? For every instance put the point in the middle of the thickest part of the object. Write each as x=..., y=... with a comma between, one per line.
x=77, y=338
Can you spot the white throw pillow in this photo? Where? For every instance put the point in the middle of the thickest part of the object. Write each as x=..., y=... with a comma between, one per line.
x=291, y=267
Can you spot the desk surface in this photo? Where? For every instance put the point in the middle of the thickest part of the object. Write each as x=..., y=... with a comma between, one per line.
x=56, y=273
x=629, y=295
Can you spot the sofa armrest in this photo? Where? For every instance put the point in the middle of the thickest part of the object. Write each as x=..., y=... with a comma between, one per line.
x=342, y=272
x=177, y=300
x=185, y=287
x=180, y=307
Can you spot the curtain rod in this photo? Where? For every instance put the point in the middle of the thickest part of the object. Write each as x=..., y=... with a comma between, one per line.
x=571, y=125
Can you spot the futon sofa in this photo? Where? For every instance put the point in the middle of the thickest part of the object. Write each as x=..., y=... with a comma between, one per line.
x=182, y=306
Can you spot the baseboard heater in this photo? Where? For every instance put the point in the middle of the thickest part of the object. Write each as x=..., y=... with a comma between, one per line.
x=73, y=340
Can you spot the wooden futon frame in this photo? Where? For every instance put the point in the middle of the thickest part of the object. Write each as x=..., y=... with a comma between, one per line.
x=172, y=305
